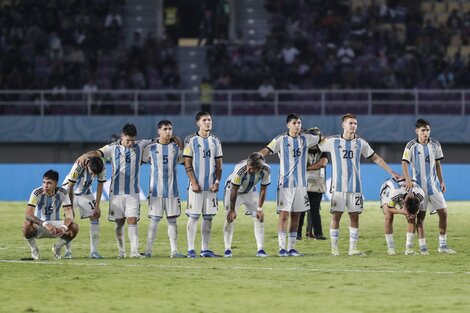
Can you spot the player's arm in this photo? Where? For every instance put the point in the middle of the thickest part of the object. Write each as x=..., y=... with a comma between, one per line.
x=188, y=166
x=318, y=165
x=232, y=214
x=70, y=186
x=265, y=151
x=83, y=159
x=439, y=175
x=262, y=197
x=406, y=173
x=380, y=162
x=218, y=174
x=99, y=193
x=29, y=215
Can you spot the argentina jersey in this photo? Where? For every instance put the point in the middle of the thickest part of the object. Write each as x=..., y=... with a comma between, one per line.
x=47, y=208
x=423, y=163
x=83, y=179
x=293, y=155
x=163, y=159
x=126, y=166
x=346, y=161
x=395, y=191
x=204, y=152
x=246, y=181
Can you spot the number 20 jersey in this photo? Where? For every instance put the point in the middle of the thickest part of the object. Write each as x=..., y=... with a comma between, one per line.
x=346, y=162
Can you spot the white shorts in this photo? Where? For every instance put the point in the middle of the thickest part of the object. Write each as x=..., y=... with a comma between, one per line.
x=44, y=233
x=351, y=200
x=250, y=200
x=158, y=205
x=204, y=203
x=122, y=206
x=85, y=203
x=434, y=202
x=292, y=199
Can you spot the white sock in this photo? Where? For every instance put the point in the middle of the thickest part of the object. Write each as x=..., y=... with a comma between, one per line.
x=191, y=232
x=94, y=235
x=32, y=244
x=152, y=233
x=68, y=247
x=228, y=234
x=442, y=240
x=334, y=238
x=422, y=242
x=173, y=234
x=119, y=230
x=259, y=233
x=282, y=238
x=291, y=240
x=206, y=227
x=390, y=241
x=133, y=234
x=353, y=237
x=409, y=240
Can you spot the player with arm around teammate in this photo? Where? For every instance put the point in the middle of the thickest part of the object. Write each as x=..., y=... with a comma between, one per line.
x=203, y=164
x=44, y=218
x=292, y=149
x=79, y=184
x=395, y=199
x=164, y=154
x=424, y=155
x=240, y=189
x=346, y=187
x=124, y=194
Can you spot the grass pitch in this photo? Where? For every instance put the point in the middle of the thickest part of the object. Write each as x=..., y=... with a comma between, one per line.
x=317, y=282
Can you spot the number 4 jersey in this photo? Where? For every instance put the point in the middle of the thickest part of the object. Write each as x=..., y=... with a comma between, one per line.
x=346, y=161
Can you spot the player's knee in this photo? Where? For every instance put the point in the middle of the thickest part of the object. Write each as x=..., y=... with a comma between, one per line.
x=29, y=231
x=73, y=229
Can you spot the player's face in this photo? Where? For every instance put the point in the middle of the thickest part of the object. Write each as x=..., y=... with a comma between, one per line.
x=49, y=186
x=252, y=170
x=350, y=125
x=423, y=133
x=127, y=141
x=205, y=123
x=294, y=126
x=165, y=132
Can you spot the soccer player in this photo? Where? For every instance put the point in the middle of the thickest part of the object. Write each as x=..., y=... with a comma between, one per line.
x=346, y=188
x=292, y=149
x=164, y=154
x=124, y=201
x=240, y=189
x=43, y=216
x=424, y=154
x=203, y=163
x=395, y=199
x=79, y=183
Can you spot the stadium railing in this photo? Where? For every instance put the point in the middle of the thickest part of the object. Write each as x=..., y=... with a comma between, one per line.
x=235, y=102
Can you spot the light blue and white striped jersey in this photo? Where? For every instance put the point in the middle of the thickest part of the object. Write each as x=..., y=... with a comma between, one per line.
x=423, y=163
x=204, y=152
x=395, y=192
x=48, y=207
x=126, y=166
x=346, y=161
x=293, y=155
x=163, y=159
x=247, y=182
x=83, y=178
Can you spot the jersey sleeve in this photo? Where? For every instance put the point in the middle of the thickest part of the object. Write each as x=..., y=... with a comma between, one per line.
x=188, y=149
x=64, y=198
x=146, y=154
x=394, y=197
x=312, y=140
x=367, y=151
x=439, y=155
x=75, y=172
x=267, y=176
x=236, y=179
x=325, y=145
x=219, y=153
x=273, y=146
x=33, y=199
x=407, y=154
x=107, y=151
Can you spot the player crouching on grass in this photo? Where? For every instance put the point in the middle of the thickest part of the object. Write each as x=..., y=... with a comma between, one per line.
x=394, y=199
x=43, y=216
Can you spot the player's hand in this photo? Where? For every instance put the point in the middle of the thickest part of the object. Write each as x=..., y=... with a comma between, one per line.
x=215, y=187
x=60, y=231
x=178, y=141
x=231, y=216
x=82, y=160
x=397, y=176
x=196, y=188
x=443, y=187
x=408, y=184
x=97, y=212
x=260, y=216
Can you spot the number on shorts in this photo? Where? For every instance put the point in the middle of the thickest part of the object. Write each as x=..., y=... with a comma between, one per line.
x=359, y=201
x=92, y=204
x=214, y=204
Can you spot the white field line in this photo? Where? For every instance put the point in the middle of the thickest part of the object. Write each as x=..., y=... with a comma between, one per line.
x=251, y=268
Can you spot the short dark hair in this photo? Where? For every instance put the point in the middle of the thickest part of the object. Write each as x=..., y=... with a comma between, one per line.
x=129, y=130
x=412, y=205
x=96, y=165
x=348, y=115
x=292, y=116
x=255, y=159
x=421, y=122
x=163, y=123
x=51, y=174
x=201, y=114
